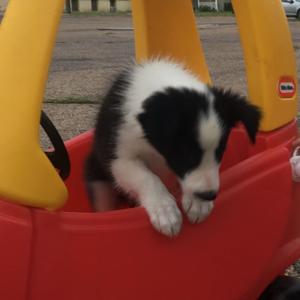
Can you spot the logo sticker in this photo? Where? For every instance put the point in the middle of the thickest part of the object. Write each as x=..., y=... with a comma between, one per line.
x=286, y=87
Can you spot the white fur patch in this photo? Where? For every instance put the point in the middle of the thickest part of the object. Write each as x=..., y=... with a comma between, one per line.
x=132, y=169
x=206, y=176
x=146, y=79
x=156, y=75
x=210, y=131
x=135, y=178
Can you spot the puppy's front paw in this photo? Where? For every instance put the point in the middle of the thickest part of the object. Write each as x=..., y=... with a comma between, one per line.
x=166, y=217
x=196, y=210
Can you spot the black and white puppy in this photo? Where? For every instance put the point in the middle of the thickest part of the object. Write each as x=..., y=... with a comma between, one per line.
x=156, y=117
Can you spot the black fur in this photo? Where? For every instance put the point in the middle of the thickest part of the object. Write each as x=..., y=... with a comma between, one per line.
x=282, y=288
x=170, y=117
x=109, y=118
x=169, y=123
x=233, y=108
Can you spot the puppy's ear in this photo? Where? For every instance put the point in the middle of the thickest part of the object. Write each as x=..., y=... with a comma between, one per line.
x=235, y=108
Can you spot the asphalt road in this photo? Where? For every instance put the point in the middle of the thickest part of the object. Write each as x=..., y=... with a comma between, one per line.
x=91, y=49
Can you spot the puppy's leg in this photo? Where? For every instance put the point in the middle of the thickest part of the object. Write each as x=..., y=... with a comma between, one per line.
x=102, y=195
x=196, y=210
x=99, y=186
x=135, y=178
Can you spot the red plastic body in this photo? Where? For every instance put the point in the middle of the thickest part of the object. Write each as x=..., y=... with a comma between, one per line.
x=252, y=235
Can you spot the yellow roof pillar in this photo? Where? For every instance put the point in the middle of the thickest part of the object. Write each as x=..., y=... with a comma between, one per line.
x=167, y=28
x=27, y=37
x=269, y=58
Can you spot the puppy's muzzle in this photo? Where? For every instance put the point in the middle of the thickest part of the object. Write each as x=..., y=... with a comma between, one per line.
x=206, y=196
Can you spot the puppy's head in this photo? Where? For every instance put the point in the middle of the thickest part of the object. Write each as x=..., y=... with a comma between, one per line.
x=190, y=130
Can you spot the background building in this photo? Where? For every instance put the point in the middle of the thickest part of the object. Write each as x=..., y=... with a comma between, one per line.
x=219, y=5
x=122, y=5
x=125, y=5
x=98, y=5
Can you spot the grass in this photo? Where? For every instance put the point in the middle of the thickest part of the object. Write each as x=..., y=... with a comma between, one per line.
x=128, y=13
x=214, y=14
x=71, y=100
x=197, y=13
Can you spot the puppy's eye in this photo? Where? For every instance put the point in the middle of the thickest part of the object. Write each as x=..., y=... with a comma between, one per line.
x=184, y=159
x=193, y=158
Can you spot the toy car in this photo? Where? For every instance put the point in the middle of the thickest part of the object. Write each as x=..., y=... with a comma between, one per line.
x=54, y=247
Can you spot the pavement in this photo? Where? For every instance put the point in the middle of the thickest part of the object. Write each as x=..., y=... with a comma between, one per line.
x=90, y=50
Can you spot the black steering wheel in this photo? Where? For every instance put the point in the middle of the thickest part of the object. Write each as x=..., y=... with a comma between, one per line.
x=59, y=157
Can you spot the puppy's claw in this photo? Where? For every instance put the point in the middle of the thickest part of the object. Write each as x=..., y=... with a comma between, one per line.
x=166, y=219
x=197, y=210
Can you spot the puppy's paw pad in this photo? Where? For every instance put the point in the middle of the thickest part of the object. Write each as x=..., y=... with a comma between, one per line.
x=166, y=219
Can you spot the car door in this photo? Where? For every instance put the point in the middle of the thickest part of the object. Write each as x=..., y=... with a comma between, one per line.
x=297, y=7
x=288, y=7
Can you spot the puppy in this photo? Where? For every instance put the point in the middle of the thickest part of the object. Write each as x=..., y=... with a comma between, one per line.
x=282, y=288
x=157, y=117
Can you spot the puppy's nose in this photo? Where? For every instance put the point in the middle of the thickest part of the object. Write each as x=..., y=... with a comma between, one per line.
x=206, y=196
